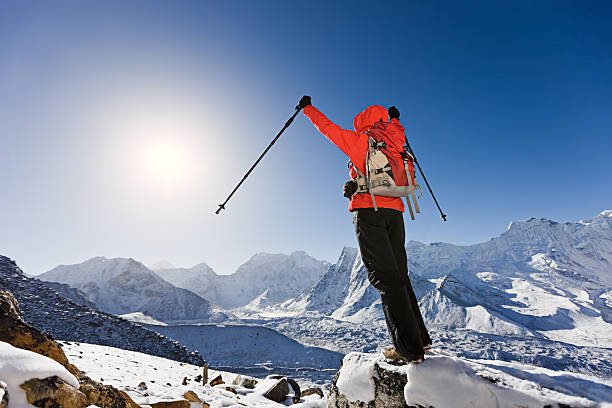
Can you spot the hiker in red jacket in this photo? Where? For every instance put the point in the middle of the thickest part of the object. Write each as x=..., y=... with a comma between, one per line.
x=380, y=232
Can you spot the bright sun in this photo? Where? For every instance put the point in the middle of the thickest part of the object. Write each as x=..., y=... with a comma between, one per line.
x=166, y=161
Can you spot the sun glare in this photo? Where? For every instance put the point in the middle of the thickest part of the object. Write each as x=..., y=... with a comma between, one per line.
x=166, y=161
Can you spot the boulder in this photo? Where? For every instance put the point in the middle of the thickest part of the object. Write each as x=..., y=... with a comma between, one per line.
x=53, y=392
x=245, y=381
x=249, y=382
x=279, y=391
x=311, y=391
x=216, y=381
x=388, y=392
x=296, y=390
x=191, y=396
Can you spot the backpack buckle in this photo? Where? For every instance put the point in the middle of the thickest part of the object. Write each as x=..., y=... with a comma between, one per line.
x=379, y=145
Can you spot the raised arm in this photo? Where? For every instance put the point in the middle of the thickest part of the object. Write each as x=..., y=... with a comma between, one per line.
x=349, y=141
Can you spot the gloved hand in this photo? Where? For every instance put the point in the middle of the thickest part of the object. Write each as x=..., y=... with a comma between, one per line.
x=304, y=102
x=393, y=113
x=350, y=187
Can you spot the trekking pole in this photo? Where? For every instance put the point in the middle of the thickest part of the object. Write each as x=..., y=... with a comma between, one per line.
x=222, y=206
x=442, y=215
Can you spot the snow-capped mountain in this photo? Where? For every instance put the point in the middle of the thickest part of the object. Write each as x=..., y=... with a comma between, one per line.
x=47, y=310
x=539, y=278
x=123, y=286
x=264, y=279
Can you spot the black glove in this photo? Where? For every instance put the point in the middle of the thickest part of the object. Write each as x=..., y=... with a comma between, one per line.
x=304, y=102
x=393, y=113
x=350, y=187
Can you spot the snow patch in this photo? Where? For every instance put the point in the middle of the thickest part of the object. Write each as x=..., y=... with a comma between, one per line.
x=355, y=379
x=448, y=382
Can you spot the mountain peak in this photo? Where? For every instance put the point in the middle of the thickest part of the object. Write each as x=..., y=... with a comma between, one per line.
x=163, y=264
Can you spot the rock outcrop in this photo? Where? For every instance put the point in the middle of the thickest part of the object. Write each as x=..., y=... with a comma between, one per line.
x=388, y=390
x=53, y=391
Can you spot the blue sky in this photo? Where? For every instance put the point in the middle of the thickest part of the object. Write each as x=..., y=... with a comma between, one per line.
x=124, y=124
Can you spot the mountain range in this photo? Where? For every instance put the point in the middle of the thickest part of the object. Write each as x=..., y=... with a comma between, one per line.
x=539, y=278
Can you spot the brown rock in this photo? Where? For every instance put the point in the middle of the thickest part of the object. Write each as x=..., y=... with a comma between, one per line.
x=249, y=383
x=192, y=396
x=231, y=389
x=279, y=392
x=14, y=331
x=4, y=397
x=205, y=405
x=314, y=390
x=171, y=404
x=9, y=306
x=91, y=392
x=53, y=392
x=142, y=386
x=216, y=381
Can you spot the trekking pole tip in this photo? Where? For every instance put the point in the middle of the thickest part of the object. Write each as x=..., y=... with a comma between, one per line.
x=443, y=216
x=221, y=207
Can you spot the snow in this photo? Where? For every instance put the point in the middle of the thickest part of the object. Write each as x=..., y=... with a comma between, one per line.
x=163, y=378
x=445, y=381
x=139, y=317
x=18, y=366
x=355, y=379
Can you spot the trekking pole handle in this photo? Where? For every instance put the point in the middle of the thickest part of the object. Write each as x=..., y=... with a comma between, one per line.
x=442, y=215
x=222, y=206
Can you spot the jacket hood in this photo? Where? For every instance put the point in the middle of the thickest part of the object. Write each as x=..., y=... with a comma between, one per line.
x=366, y=119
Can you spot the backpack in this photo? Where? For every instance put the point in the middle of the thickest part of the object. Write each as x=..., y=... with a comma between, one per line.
x=387, y=174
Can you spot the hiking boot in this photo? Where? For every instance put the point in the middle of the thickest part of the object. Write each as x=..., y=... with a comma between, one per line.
x=392, y=354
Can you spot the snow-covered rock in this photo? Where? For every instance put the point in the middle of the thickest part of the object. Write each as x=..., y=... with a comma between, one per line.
x=123, y=286
x=368, y=380
x=265, y=279
x=18, y=366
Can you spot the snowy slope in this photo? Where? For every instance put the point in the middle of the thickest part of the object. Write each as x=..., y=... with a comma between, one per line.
x=47, y=310
x=163, y=379
x=265, y=278
x=123, y=286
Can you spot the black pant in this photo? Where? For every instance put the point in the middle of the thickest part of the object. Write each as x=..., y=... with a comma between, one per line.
x=381, y=240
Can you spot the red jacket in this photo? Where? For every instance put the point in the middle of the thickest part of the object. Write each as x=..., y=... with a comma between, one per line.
x=355, y=144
